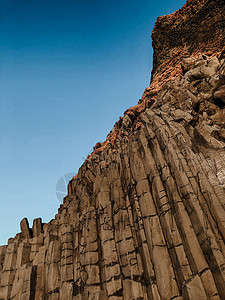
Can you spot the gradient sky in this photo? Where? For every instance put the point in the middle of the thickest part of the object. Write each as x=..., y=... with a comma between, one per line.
x=68, y=70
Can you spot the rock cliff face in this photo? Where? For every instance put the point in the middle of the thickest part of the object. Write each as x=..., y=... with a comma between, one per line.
x=196, y=28
x=145, y=215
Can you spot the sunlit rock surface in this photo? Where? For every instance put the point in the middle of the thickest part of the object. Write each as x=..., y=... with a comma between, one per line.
x=144, y=217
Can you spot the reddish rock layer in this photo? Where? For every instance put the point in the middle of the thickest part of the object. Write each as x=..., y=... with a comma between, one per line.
x=196, y=28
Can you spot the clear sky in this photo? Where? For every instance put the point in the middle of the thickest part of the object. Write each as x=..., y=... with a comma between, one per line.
x=68, y=70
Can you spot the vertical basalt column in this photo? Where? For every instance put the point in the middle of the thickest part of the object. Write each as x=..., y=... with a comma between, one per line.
x=131, y=269
x=53, y=258
x=89, y=255
x=37, y=227
x=66, y=263
x=39, y=263
x=110, y=259
x=8, y=271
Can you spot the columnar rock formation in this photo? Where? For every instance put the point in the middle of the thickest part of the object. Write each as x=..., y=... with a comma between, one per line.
x=145, y=215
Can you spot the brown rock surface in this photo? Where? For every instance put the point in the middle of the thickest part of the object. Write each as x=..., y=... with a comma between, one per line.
x=25, y=230
x=198, y=27
x=144, y=217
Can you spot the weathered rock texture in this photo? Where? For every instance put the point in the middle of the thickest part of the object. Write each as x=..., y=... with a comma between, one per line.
x=197, y=27
x=145, y=215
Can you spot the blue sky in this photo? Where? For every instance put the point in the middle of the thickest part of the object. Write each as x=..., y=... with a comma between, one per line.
x=68, y=71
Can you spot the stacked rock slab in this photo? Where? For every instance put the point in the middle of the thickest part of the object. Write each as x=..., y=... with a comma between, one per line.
x=144, y=217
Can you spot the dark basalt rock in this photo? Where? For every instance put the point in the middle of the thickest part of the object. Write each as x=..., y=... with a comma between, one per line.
x=144, y=217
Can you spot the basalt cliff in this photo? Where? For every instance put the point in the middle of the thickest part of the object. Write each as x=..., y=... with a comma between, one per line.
x=144, y=217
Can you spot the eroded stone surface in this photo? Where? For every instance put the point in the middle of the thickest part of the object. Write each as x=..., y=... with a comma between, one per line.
x=144, y=217
x=198, y=27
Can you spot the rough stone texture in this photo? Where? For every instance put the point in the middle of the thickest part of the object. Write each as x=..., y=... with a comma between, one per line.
x=144, y=217
x=25, y=230
x=199, y=26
